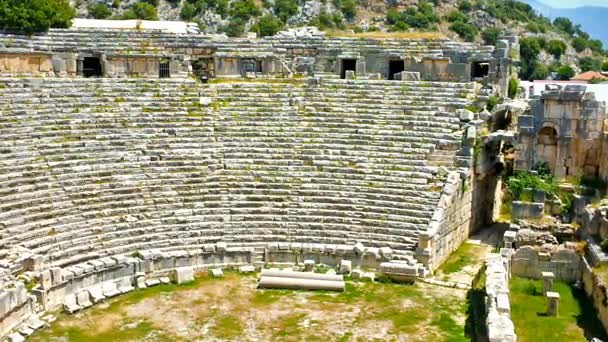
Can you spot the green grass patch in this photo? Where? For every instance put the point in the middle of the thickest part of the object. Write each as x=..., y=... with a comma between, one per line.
x=227, y=327
x=466, y=254
x=576, y=317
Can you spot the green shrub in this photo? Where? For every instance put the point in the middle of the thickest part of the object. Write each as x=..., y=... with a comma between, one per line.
x=490, y=35
x=284, y=9
x=151, y=2
x=492, y=102
x=326, y=21
x=564, y=24
x=513, y=88
x=565, y=73
x=421, y=17
x=30, y=16
x=456, y=15
x=235, y=27
x=466, y=31
x=526, y=180
x=268, y=25
x=349, y=9
x=244, y=9
x=579, y=44
x=188, y=11
x=590, y=64
x=556, y=48
x=99, y=10
x=465, y=6
x=141, y=10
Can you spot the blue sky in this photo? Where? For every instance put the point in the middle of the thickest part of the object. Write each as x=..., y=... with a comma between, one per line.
x=575, y=3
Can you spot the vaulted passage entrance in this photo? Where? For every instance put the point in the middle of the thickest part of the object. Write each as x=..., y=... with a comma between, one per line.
x=91, y=67
x=348, y=64
x=395, y=67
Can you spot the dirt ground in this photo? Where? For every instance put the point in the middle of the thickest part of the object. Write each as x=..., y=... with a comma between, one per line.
x=232, y=309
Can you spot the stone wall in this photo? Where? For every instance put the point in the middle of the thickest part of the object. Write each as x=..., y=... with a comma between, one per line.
x=530, y=262
x=26, y=64
x=595, y=288
x=15, y=306
x=499, y=325
x=451, y=222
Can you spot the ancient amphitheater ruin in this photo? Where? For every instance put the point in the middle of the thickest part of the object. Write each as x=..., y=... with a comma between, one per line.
x=135, y=157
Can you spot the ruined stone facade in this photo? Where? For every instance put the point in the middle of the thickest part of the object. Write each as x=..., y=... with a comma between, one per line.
x=567, y=129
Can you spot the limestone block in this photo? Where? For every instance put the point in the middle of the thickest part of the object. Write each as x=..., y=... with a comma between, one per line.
x=466, y=115
x=309, y=265
x=345, y=266
x=216, y=272
x=221, y=247
x=152, y=282
x=205, y=101
x=184, y=275
x=69, y=304
x=552, y=303
x=164, y=280
x=350, y=75
x=357, y=273
x=246, y=269
x=140, y=281
x=46, y=279
x=16, y=337
x=96, y=294
x=359, y=248
x=386, y=252
x=109, y=289
x=83, y=300
x=35, y=323
x=369, y=276
x=124, y=285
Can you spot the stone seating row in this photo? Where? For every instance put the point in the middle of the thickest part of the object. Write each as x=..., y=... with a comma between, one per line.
x=90, y=202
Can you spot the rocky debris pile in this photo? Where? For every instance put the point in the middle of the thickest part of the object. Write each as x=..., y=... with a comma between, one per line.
x=530, y=237
x=306, y=31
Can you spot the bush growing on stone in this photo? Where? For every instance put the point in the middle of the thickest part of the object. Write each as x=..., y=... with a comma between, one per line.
x=188, y=11
x=235, y=27
x=268, y=25
x=527, y=180
x=99, y=10
x=490, y=35
x=466, y=31
x=141, y=10
x=326, y=21
x=244, y=9
x=590, y=64
x=348, y=8
x=604, y=245
x=284, y=9
x=565, y=73
x=30, y=16
x=513, y=88
x=579, y=44
x=556, y=48
x=421, y=17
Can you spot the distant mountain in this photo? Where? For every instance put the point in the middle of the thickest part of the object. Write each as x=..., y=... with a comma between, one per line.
x=591, y=18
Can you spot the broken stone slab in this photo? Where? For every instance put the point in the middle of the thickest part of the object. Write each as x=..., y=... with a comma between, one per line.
x=369, y=276
x=140, y=280
x=165, y=280
x=184, y=275
x=346, y=266
x=246, y=269
x=152, y=282
x=124, y=285
x=356, y=273
x=35, y=323
x=69, y=304
x=216, y=272
x=309, y=265
x=359, y=248
x=16, y=337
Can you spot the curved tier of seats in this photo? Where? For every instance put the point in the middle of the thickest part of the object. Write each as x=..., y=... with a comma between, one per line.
x=95, y=167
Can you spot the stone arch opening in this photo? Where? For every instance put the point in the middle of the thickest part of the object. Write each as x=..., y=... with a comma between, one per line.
x=546, y=146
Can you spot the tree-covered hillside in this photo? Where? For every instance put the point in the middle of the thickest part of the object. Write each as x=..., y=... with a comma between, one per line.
x=555, y=48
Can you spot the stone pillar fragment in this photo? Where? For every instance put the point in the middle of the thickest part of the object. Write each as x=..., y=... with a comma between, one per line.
x=552, y=303
x=547, y=282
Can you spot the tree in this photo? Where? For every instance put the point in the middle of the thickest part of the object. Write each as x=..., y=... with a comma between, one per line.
x=556, y=48
x=235, y=27
x=579, y=44
x=30, y=16
x=284, y=9
x=99, y=10
x=188, y=11
x=590, y=64
x=490, y=35
x=513, y=88
x=465, y=6
x=529, y=48
x=565, y=73
x=539, y=72
x=141, y=10
x=596, y=45
x=349, y=9
x=268, y=25
x=466, y=31
x=565, y=25
x=244, y=9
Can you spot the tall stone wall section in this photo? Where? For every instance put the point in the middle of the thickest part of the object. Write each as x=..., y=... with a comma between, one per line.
x=451, y=221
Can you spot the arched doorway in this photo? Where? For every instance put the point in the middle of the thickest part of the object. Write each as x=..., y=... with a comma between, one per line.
x=546, y=147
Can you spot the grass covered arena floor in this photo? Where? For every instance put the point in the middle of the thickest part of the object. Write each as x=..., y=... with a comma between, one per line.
x=232, y=309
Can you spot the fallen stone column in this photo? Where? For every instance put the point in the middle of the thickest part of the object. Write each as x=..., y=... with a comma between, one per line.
x=268, y=282
x=301, y=275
